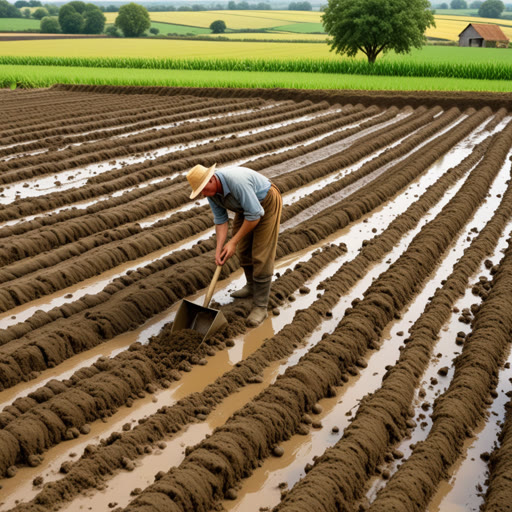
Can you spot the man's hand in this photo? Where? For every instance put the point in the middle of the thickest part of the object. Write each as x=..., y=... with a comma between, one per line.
x=227, y=251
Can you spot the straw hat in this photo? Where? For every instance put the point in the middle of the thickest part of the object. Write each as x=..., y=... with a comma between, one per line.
x=198, y=177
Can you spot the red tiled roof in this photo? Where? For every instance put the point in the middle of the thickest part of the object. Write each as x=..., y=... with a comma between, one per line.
x=489, y=32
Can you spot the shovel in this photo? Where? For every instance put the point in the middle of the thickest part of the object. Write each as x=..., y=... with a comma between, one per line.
x=202, y=319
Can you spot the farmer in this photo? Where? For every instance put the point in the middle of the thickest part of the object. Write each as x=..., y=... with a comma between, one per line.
x=257, y=204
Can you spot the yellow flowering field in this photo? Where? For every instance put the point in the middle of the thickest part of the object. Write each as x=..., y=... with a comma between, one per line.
x=449, y=27
x=233, y=19
x=148, y=47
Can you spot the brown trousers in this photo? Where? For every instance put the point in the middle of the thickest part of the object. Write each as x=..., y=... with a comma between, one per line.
x=258, y=248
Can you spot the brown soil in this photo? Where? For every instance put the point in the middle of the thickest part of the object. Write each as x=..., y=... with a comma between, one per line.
x=297, y=138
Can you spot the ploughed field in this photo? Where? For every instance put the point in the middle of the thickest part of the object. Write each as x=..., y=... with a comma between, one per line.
x=380, y=380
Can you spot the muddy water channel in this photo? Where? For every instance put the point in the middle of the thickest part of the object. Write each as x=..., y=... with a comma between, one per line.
x=393, y=269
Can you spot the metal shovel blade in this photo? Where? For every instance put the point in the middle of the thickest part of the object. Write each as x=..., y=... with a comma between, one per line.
x=205, y=321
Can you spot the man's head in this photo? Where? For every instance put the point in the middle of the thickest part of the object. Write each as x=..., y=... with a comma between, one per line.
x=200, y=179
x=211, y=188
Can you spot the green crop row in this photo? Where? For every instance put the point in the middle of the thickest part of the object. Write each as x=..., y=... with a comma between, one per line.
x=45, y=76
x=468, y=70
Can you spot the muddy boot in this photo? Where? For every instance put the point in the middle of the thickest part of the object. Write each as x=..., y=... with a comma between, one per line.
x=260, y=302
x=246, y=291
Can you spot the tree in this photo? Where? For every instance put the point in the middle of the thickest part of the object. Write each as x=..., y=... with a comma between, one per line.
x=300, y=6
x=444, y=5
x=458, y=4
x=154, y=31
x=34, y=3
x=133, y=20
x=40, y=13
x=20, y=4
x=475, y=5
x=26, y=13
x=94, y=20
x=53, y=10
x=78, y=6
x=491, y=9
x=70, y=21
x=218, y=27
x=375, y=26
x=112, y=31
x=50, y=25
x=8, y=11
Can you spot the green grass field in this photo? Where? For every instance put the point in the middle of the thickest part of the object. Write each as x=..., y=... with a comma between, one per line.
x=152, y=61
x=154, y=48
x=44, y=76
x=302, y=28
x=18, y=24
x=168, y=28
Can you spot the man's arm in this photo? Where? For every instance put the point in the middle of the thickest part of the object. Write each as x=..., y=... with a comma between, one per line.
x=230, y=248
x=221, y=230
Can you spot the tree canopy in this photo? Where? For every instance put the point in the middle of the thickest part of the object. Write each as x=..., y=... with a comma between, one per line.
x=375, y=26
x=133, y=20
x=218, y=27
x=50, y=25
x=94, y=20
x=80, y=18
x=491, y=9
x=458, y=4
x=8, y=11
x=300, y=6
x=40, y=13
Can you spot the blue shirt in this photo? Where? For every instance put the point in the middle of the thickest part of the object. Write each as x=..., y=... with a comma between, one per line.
x=242, y=192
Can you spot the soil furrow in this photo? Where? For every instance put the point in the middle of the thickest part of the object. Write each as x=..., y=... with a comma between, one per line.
x=124, y=180
x=32, y=131
x=168, y=288
x=108, y=256
x=45, y=424
x=18, y=248
x=233, y=450
x=278, y=347
x=383, y=418
x=457, y=412
x=498, y=496
x=95, y=131
x=31, y=166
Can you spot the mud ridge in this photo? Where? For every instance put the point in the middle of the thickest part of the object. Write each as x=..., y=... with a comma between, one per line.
x=66, y=134
x=387, y=156
x=170, y=419
x=44, y=240
x=384, y=417
x=446, y=99
x=498, y=496
x=70, y=104
x=133, y=175
x=251, y=434
x=101, y=325
x=49, y=415
x=32, y=166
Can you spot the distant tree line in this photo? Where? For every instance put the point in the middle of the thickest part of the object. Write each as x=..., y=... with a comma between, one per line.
x=486, y=9
x=246, y=6
x=300, y=6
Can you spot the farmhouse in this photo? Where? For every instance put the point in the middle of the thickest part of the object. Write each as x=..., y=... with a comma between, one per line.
x=483, y=36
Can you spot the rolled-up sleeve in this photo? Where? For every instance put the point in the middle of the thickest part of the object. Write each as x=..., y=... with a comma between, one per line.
x=248, y=201
x=220, y=215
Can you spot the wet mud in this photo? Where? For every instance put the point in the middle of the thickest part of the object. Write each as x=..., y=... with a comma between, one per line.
x=52, y=252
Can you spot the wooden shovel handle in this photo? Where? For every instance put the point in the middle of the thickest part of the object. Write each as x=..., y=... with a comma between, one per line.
x=209, y=294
